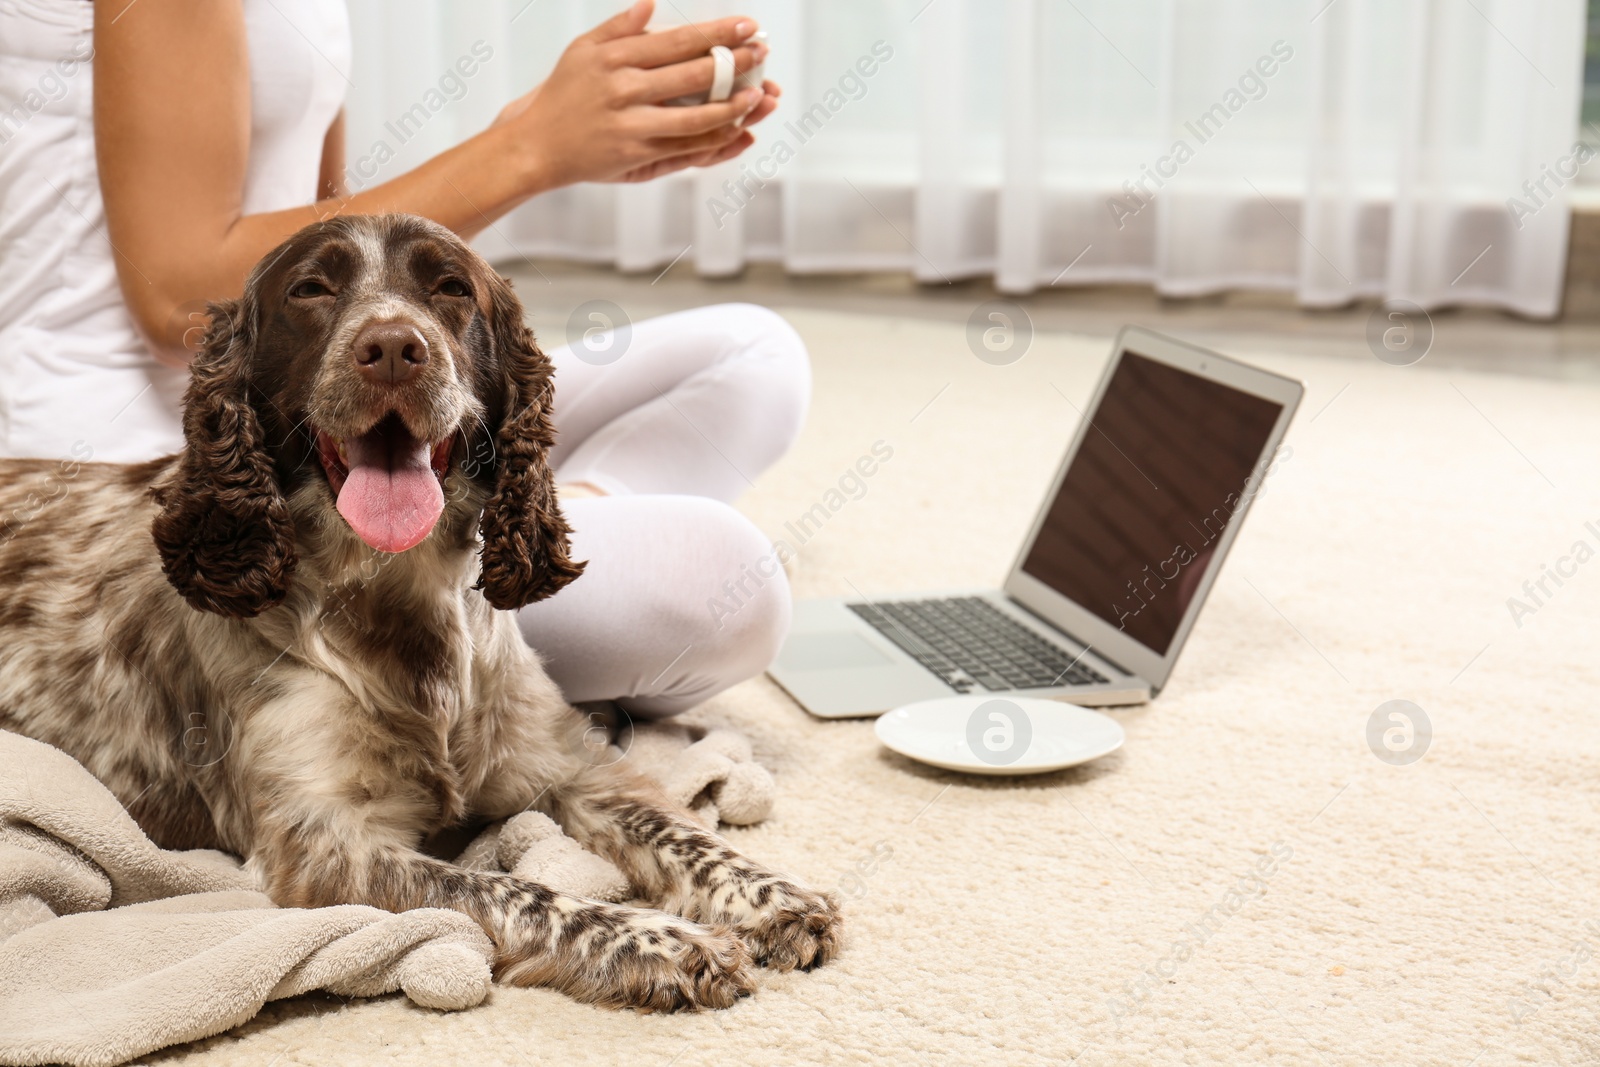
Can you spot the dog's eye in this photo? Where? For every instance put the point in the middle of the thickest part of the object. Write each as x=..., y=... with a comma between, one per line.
x=310, y=291
x=454, y=287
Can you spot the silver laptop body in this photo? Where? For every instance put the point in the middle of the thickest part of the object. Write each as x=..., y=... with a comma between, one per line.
x=1110, y=578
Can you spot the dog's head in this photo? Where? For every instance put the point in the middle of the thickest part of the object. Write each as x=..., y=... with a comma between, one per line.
x=380, y=361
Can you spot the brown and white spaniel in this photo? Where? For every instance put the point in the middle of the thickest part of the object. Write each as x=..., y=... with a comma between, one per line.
x=312, y=662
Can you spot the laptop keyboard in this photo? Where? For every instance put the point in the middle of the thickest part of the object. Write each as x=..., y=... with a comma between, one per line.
x=967, y=641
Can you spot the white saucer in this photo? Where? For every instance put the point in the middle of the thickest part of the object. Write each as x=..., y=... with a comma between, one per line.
x=993, y=734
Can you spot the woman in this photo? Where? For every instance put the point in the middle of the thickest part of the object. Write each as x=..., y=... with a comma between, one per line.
x=204, y=133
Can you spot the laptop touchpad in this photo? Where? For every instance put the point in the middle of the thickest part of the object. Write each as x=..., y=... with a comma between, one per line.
x=840, y=650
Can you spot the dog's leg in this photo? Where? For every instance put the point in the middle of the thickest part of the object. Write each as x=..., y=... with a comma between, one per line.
x=332, y=822
x=602, y=953
x=684, y=868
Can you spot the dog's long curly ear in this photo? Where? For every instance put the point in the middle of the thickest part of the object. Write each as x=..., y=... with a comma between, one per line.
x=224, y=532
x=526, y=541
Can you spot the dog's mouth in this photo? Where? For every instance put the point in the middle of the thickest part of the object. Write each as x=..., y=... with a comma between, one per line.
x=389, y=484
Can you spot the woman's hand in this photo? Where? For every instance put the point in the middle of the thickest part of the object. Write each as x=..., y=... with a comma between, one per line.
x=711, y=157
x=597, y=116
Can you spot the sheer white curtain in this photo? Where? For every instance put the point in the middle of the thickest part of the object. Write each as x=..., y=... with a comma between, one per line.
x=1406, y=149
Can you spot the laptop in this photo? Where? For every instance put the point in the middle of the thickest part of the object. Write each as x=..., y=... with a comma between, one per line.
x=1174, y=447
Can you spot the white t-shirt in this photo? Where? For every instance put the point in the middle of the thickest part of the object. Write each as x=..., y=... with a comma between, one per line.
x=75, y=378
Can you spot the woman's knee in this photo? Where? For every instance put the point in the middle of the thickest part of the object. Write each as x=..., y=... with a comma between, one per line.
x=729, y=607
x=775, y=353
x=750, y=608
x=738, y=608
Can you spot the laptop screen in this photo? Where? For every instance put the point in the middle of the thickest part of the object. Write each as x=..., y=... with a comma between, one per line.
x=1159, y=475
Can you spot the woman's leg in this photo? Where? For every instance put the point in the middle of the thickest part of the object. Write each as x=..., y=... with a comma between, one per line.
x=683, y=596
x=700, y=402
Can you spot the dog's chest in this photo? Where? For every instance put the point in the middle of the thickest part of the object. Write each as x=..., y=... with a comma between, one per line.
x=413, y=667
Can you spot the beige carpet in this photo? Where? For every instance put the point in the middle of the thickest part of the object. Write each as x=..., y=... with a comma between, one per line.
x=1432, y=913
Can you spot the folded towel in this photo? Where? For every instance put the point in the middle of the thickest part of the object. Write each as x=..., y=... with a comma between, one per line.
x=111, y=947
x=710, y=771
x=532, y=846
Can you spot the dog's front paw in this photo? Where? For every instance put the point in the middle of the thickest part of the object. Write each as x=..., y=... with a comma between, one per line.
x=691, y=967
x=792, y=927
x=624, y=957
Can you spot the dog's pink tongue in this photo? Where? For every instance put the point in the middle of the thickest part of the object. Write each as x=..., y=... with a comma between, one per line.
x=390, y=498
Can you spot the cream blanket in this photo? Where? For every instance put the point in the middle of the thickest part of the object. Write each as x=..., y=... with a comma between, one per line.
x=111, y=947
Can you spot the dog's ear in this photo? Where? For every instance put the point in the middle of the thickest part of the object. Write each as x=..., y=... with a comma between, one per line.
x=224, y=532
x=526, y=541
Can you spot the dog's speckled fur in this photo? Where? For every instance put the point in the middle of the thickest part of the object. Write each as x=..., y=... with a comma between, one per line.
x=255, y=678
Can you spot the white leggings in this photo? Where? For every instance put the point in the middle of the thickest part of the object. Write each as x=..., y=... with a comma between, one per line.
x=697, y=406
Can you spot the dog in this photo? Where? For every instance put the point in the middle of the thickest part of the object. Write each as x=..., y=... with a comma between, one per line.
x=293, y=640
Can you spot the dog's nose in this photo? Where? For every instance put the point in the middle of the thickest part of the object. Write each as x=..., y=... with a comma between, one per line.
x=389, y=352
